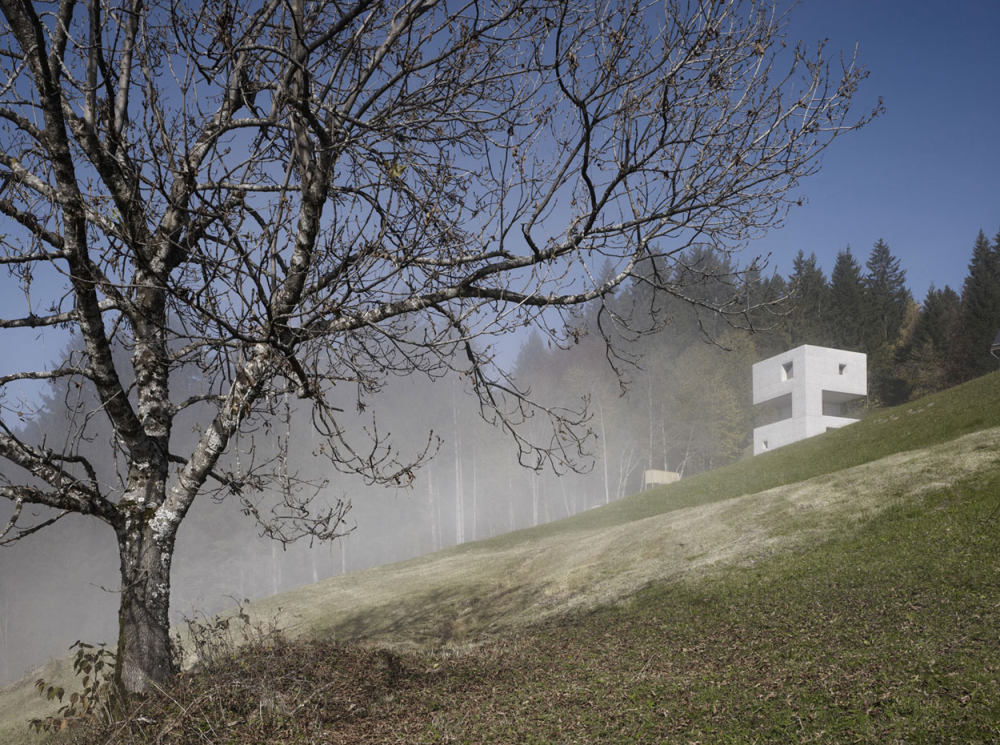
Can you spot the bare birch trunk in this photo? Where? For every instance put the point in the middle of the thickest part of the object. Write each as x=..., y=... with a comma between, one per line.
x=433, y=511
x=4, y=637
x=604, y=452
x=650, y=421
x=459, y=487
x=511, y=517
x=534, y=499
x=475, y=496
x=568, y=504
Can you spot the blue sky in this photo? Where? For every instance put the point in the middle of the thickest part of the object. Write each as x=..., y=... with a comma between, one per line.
x=923, y=176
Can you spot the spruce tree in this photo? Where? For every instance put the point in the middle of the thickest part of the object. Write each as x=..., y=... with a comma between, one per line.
x=886, y=296
x=808, y=317
x=886, y=300
x=981, y=308
x=930, y=360
x=772, y=321
x=847, y=303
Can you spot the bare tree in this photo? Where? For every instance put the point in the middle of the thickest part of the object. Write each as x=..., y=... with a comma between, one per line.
x=303, y=197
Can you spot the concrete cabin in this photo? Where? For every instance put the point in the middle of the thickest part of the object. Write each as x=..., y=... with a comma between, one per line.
x=802, y=393
x=653, y=477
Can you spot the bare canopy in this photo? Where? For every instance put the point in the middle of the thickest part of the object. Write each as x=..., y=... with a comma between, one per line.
x=228, y=203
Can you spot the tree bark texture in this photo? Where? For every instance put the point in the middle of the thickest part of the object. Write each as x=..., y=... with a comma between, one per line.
x=144, y=647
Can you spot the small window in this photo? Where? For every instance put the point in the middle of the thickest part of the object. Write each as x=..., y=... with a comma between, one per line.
x=763, y=445
x=787, y=371
x=843, y=367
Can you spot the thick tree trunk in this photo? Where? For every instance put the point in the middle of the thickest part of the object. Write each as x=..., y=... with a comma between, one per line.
x=144, y=652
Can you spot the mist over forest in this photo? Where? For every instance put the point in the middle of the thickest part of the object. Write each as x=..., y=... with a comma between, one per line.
x=685, y=407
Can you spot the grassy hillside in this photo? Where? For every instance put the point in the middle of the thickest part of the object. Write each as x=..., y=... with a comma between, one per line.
x=733, y=514
x=840, y=589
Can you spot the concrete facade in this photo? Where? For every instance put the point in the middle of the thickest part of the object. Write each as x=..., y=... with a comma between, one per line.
x=801, y=393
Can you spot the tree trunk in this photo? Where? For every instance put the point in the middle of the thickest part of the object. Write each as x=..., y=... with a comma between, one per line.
x=535, y=496
x=4, y=634
x=275, y=569
x=604, y=451
x=475, y=496
x=144, y=652
x=511, y=517
x=459, y=485
x=433, y=510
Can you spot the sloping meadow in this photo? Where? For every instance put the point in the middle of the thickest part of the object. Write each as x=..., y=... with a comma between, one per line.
x=844, y=588
x=736, y=515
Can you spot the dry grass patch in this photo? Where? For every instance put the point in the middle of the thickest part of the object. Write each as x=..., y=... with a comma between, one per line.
x=497, y=586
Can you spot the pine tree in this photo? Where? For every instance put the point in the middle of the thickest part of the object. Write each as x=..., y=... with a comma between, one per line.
x=810, y=302
x=930, y=361
x=887, y=296
x=981, y=308
x=772, y=321
x=847, y=303
x=886, y=301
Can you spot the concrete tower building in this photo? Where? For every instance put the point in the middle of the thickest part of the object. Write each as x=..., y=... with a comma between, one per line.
x=802, y=393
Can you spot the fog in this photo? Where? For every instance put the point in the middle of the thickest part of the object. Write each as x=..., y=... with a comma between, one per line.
x=687, y=409
x=57, y=586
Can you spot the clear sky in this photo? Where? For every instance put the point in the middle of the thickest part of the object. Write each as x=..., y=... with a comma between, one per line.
x=924, y=175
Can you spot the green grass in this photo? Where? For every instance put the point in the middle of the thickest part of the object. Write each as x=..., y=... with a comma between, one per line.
x=933, y=420
x=844, y=589
x=890, y=633
x=884, y=633
x=790, y=495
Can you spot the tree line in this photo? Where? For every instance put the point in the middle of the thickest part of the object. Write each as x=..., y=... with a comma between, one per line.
x=688, y=406
x=913, y=349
